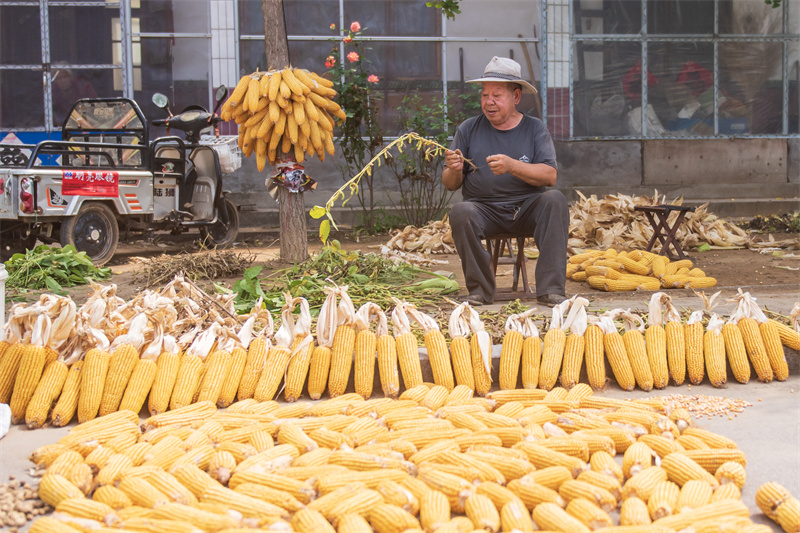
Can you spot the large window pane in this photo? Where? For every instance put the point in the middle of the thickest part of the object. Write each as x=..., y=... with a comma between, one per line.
x=491, y=19
x=607, y=88
x=681, y=89
x=680, y=16
x=751, y=17
x=69, y=44
x=172, y=16
x=20, y=35
x=750, y=84
x=70, y=85
x=21, y=100
x=303, y=17
x=393, y=17
x=302, y=54
x=177, y=68
x=607, y=16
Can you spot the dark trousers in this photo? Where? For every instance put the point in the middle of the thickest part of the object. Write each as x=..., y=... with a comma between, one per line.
x=544, y=215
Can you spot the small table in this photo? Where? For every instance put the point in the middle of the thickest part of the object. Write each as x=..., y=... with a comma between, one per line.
x=661, y=228
x=496, y=245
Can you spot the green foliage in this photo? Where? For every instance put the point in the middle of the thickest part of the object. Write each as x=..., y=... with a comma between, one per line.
x=450, y=7
x=52, y=268
x=369, y=277
x=773, y=3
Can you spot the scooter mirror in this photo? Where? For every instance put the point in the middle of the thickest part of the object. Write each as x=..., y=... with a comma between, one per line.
x=160, y=100
x=222, y=91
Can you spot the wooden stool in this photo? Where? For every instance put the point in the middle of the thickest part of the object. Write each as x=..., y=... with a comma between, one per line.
x=496, y=245
x=661, y=228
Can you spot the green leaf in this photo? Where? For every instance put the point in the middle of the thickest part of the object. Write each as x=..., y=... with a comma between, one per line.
x=52, y=284
x=252, y=272
x=317, y=212
x=324, y=231
x=704, y=247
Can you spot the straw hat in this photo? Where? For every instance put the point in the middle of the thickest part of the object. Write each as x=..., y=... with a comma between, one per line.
x=507, y=70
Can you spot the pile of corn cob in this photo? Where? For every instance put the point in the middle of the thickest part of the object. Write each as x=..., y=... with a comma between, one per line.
x=614, y=271
x=286, y=110
x=432, y=461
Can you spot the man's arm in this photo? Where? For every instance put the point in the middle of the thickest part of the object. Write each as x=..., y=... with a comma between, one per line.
x=453, y=173
x=535, y=174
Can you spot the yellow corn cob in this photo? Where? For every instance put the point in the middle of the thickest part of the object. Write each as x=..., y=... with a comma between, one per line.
x=483, y=380
x=462, y=362
x=435, y=398
x=514, y=517
x=634, y=513
x=552, y=356
x=47, y=391
x=276, y=497
x=439, y=359
x=676, y=351
x=572, y=489
x=167, y=366
x=618, y=358
x=588, y=514
x=663, y=500
x=408, y=358
x=67, y=404
x=301, y=490
x=183, y=416
x=714, y=354
x=221, y=466
x=644, y=483
x=723, y=509
x=144, y=374
x=681, y=468
x=693, y=335
x=661, y=446
x=53, y=488
x=204, y=520
x=789, y=337
x=498, y=494
x=120, y=368
x=775, y=353
x=95, y=369
x=387, y=518
x=29, y=373
x=573, y=447
x=595, y=358
x=311, y=520
x=754, y=344
x=510, y=357
x=542, y=457
x=573, y=360
x=318, y=371
x=48, y=524
x=605, y=464
x=112, y=496
x=736, y=352
x=231, y=384
x=482, y=512
x=187, y=381
x=394, y=493
x=217, y=366
x=9, y=366
x=694, y=494
x=294, y=435
x=656, y=344
x=712, y=459
x=604, y=481
x=365, y=348
x=353, y=523
x=456, y=489
x=731, y=472
x=169, y=485
x=636, y=458
x=788, y=514
x=387, y=365
x=770, y=496
x=637, y=354
x=533, y=493
x=256, y=361
x=341, y=359
x=84, y=508
x=273, y=374
x=552, y=517
x=249, y=507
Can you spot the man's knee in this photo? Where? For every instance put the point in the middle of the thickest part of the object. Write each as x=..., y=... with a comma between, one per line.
x=462, y=214
x=554, y=199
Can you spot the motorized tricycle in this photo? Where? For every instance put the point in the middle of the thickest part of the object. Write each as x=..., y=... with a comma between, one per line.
x=106, y=176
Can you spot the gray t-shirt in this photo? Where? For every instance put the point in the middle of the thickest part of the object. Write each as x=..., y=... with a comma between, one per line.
x=477, y=139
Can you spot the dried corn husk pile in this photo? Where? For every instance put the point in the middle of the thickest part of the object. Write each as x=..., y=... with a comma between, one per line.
x=433, y=460
x=435, y=238
x=611, y=221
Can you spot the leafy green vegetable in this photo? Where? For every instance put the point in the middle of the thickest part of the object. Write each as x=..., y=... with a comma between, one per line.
x=51, y=268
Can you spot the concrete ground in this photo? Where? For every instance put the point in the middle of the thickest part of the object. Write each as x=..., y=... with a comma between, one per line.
x=768, y=431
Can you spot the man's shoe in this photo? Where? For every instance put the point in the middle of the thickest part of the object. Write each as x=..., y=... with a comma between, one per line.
x=551, y=300
x=474, y=300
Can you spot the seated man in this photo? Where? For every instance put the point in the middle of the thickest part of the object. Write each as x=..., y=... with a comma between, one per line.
x=506, y=193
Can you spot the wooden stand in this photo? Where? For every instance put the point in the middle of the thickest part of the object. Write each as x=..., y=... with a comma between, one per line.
x=661, y=228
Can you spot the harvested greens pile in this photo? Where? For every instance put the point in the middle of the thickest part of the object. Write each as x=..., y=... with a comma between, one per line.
x=52, y=268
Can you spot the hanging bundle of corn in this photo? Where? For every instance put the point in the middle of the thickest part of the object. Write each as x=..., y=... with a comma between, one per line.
x=366, y=348
x=406, y=342
x=634, y=342
x=481, y=351
x=615, y=350
x=321, y=356
x=555, y=341
x=278, y=357
x=344, y=340
x=676, y=344
x=300, y=357
x=751, y=336
x=575, y=345
x=770, y=337
x=714, y=351
x=458, y=328
x=656, y=340
x=436, y=346
x=257, y=353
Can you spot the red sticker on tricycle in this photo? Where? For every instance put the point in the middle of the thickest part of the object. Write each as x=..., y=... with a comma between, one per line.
x=89, y=183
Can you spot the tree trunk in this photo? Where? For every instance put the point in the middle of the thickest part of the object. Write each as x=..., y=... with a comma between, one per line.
x=294, y=240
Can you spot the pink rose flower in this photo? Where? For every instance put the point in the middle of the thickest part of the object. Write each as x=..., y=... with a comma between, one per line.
x=333, y=26
x=373, y=78
x=353, y=57
x=348, y=39
x=355, y=27
x=330, y=62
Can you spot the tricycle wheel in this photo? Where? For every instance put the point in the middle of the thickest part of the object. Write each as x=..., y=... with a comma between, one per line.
x=93, y=230
x=219, y=234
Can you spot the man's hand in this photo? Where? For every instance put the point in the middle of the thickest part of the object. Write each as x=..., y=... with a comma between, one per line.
x=454, y=160
x=500, y=164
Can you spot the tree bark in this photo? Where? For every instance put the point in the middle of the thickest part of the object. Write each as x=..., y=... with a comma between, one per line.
x=292, y=211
